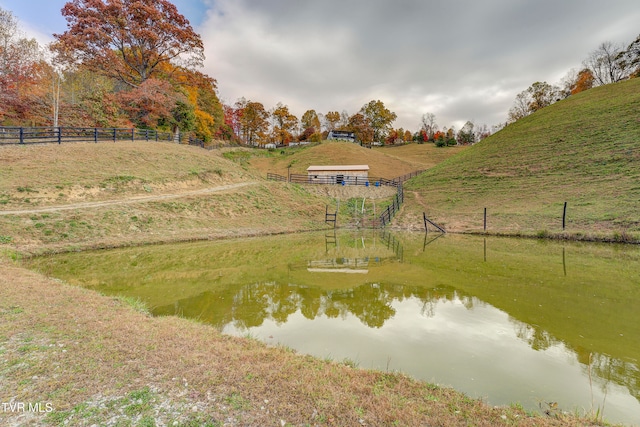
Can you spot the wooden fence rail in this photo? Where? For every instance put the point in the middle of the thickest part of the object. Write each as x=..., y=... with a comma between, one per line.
x=276, y=177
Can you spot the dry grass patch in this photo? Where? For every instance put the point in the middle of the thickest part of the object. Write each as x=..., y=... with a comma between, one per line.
x=41, y=175
x=333, y=153
x=421, y=156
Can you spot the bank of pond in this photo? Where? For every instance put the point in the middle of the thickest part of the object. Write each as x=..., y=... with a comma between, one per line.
x=524, y=321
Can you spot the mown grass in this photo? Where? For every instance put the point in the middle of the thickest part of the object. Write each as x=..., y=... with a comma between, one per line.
x=584, y=150
x=383, y=162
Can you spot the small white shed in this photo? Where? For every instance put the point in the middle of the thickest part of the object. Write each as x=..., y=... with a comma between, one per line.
x=339, y=174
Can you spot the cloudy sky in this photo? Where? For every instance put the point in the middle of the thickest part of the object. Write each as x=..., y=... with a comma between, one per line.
x=458, y=59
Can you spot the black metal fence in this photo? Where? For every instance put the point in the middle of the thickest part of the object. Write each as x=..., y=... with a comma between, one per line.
x=388, y=214
x=339, y=180
x=403, y=178
x=58, y=135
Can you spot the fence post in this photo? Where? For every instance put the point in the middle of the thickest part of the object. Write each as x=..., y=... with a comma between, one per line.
x=485, y=219
x=564, y=216
x=59, y=135
x=95, y=135
x=114, y=134
x=21, y=135
x=133, y=134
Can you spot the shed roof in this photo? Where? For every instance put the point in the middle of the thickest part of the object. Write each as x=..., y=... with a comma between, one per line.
x=338, y=168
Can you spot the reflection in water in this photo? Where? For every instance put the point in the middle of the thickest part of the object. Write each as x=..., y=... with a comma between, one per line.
x=252, y=304
x=502, y=319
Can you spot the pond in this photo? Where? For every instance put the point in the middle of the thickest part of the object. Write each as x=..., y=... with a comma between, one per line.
x=532, y=322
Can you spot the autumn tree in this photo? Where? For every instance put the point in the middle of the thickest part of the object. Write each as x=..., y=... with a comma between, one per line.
x=200, y=91
x=361, y=126
x=534, y=98
x=231, y=128
x=466, y=134
x=284, y=123
x=310, y=119
x=332, y=118
x=379, y=118
x=152, y=102
x=128, y=40
x=392, y=137
x=23, y=75
x=310, y=127
x=584, y=81
x=253, y=122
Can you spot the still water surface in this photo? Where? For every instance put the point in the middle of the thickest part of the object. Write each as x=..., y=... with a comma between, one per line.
x=506, y=320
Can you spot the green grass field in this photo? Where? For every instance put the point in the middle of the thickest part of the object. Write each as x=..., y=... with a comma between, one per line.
x=584, y=150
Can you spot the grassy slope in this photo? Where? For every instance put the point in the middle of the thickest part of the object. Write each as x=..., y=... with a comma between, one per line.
x=584, y=150
x=50, y=175
x=386, y=162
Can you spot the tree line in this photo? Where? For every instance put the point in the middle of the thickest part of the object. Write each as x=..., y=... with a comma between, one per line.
x=135, y=64
x=129, y=63
x=608, y=63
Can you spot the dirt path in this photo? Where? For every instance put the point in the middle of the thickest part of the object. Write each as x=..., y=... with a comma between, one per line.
x=129, y=200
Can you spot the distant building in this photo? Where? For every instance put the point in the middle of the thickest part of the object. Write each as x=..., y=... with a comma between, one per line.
x=344, y=174
x=339, y=135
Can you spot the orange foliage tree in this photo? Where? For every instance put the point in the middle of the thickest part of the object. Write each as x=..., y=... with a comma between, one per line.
x=128, y=40
x=584, y=81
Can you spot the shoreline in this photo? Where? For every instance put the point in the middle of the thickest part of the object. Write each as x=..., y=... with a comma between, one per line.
x=210, y=377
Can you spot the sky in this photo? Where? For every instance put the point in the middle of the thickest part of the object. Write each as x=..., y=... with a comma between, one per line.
x=457, y=59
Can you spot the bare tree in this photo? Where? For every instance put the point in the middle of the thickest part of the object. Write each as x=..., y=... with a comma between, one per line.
x=429, y=125
x=604, y=64
x=629, y=59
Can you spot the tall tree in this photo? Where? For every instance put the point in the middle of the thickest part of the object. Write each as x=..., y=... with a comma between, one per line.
x=534, y=98
x=604, y=64
x=630, y=58
x=253, y=122
x=584, y=81
x=128, y=39
x=310, y=119
x=201, y=94
x=361, y=126
x=429, y=125
x=284, y=123
x=466, y=134
x=24, y=76
x=332, y=118
x=380, y=119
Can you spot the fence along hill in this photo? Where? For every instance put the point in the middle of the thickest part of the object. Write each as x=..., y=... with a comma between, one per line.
x=584, y=150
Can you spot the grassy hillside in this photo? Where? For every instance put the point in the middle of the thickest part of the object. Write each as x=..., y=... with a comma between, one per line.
x=584, y=150
x=386, y=162
x=120, y=179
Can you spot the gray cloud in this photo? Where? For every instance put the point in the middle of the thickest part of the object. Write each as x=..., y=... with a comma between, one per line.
x=461, y=60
